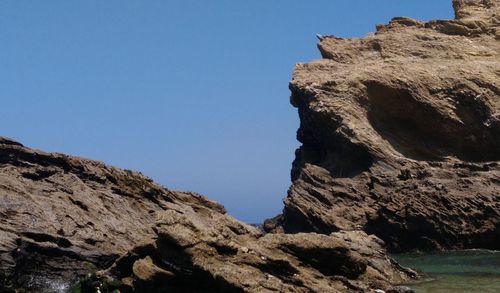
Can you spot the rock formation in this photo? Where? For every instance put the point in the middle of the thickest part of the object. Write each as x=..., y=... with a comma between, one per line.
x=400, y=134
x=401, y=140
x=63, y=218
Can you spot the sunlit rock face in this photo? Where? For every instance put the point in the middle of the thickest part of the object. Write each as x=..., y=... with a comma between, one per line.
x=400, y=134
x=63, y=218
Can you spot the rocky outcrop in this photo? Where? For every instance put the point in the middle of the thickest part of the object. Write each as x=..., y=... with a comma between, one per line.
x=400, y=134
x=64, y=219
x=401, y=141
x=192, y=254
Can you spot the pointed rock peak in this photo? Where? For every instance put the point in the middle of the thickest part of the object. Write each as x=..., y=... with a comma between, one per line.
x=482, y=9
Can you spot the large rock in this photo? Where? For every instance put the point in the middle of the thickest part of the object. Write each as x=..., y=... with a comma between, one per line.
x=64, y=217
x=400, y=134
x=196, y=254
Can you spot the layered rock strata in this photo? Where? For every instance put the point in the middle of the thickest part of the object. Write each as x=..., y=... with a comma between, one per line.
x=400, y=134
x=64, y=217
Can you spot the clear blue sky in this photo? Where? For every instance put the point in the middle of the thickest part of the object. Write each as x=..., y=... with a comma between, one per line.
x=192, y=93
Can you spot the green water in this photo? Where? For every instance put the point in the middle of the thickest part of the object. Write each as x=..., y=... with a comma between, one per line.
x=455, y=272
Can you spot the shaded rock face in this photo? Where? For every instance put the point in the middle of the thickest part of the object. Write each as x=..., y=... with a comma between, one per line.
x=400, y=134
x=63, y=217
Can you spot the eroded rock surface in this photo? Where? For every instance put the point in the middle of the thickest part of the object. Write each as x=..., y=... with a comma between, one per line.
x=63, y=217
x=400, y=134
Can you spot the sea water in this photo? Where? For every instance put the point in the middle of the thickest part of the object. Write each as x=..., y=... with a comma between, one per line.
x=455, y=271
